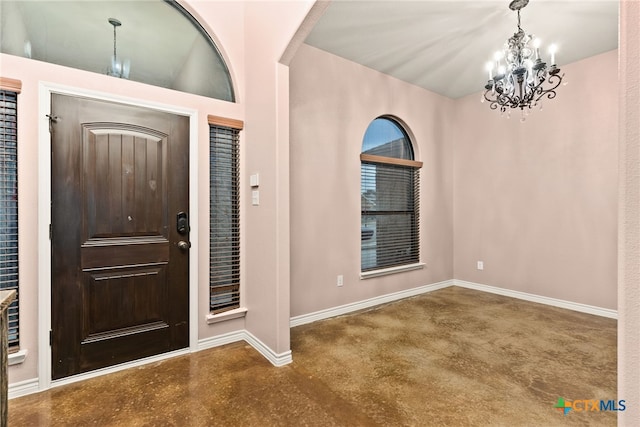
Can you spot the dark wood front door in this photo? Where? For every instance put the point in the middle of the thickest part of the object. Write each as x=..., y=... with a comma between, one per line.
x=120, y=285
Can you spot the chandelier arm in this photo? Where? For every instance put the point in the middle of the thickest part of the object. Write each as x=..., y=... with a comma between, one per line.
x=550, y=93
x=494, y=102
x=507, y=100
x=487, y=97
x=555, y=80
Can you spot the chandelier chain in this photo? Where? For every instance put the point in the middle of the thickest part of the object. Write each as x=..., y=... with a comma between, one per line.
x=114, y=43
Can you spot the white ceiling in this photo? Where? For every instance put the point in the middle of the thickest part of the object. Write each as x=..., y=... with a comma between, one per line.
x=443, y=46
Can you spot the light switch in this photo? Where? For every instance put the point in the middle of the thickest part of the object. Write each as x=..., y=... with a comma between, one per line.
x=254, y=180
x=255, y=197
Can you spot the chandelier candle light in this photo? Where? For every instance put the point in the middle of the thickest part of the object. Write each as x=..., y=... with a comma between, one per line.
x=518, y=78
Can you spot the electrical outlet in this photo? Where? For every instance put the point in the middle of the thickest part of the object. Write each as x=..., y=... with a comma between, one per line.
x=480, y=265
x=340, y=280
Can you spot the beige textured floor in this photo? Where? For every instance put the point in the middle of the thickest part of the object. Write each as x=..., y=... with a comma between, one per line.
x=450, y=357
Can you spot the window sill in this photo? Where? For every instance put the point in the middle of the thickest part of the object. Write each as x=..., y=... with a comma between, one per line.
x=17, y=357
x=227, y=315
x=391, y=270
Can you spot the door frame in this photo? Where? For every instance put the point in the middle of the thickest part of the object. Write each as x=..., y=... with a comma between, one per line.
x=45, y=89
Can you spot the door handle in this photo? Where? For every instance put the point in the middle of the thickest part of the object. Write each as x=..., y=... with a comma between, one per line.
x=184, y=245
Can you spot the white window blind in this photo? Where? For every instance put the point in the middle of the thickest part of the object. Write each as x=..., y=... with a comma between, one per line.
x=389, y=228
x=9, y=207
x=224, y=250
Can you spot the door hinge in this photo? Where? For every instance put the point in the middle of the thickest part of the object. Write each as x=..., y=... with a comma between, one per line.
x=50, y=232
x=50, y=338
x=52, y=120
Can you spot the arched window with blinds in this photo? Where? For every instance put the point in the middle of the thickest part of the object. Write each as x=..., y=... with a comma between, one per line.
x=389, y=197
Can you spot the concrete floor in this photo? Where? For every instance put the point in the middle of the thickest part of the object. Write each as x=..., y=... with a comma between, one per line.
x=450, y=357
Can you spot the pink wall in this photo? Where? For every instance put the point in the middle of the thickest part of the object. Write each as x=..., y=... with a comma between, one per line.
x=332, y=103
x=629, y=218
x=536, y=201
x=270, y=27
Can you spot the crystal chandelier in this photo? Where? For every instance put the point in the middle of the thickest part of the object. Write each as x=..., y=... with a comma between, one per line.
x=521, y=78
x=117, y=68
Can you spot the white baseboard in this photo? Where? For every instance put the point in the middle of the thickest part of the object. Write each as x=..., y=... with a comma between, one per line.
x=575, y=306
x=276, y=359
x=33, y=386
x=23, y=388
x=219, y=340
x=371, y=302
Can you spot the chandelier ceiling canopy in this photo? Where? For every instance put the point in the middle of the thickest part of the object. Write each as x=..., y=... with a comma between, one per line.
x=518, y=76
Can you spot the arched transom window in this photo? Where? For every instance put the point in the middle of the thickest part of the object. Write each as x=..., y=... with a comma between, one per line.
x=156, y=42
x=389, y=197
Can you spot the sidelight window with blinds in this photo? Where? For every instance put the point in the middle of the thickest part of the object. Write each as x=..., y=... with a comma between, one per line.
x=389, y=196
x=9, y=90
x=224, y=217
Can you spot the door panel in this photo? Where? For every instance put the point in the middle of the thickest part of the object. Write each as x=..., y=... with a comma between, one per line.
x=131, y=293
x=119, y=281
x=127, y=169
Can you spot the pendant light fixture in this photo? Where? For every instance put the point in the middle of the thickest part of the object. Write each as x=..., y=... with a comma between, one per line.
x=117, y=68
